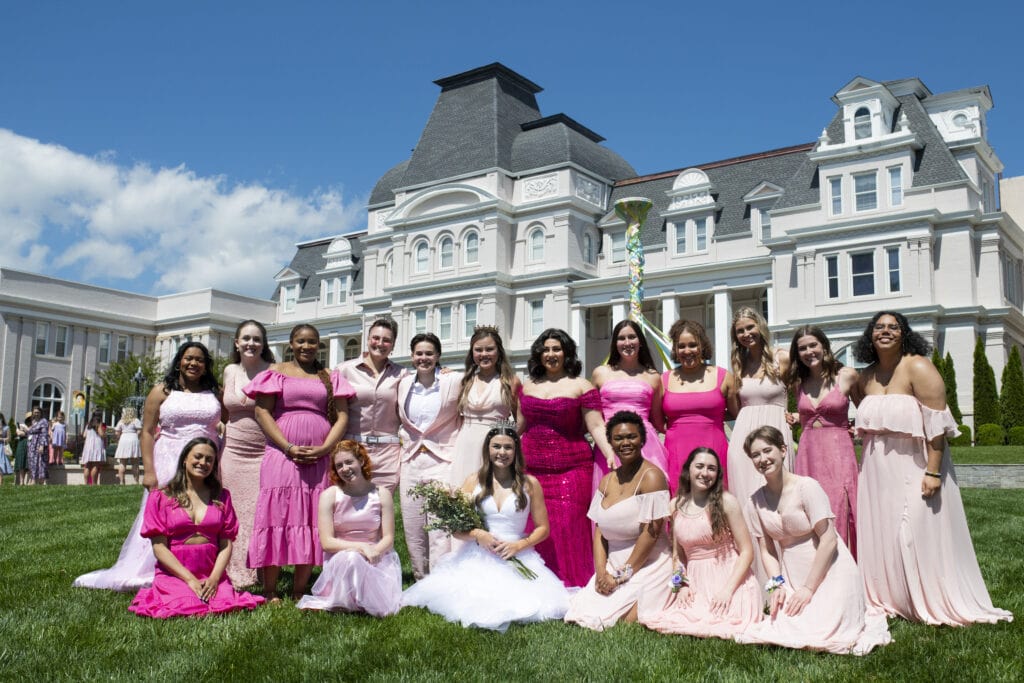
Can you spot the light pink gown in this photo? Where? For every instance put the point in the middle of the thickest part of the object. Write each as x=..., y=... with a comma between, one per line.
x=837, y=619
x=916, y=553
x=620, y=526
x=349, y=582
x=244, y=445
x=480, y=413
x=709, y=564
x=170, y=596
x=762, y=402
x=635, y=395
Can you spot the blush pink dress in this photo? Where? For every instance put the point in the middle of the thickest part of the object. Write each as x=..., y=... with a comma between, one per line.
x=762, y=402
x=620, y=525
x=838, y=618
x=915, y=552
x=635, y=395
x=480, y=413
x=285, y=525
x=349, y=582
x=563, y=462
x=244, y=445
x=170, y=596
x=709, y=565
x=183, y=417
x=694, y=419
x=827, y=456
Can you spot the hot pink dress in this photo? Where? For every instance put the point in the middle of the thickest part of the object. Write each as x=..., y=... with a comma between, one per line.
x=762, y=402
x=244, y=445
x=285, y=526
x=838, y=618
x=827, y=456
x=694, y=419
x=709, y=565
x=169, y=596
x=915, y=552
x=183, y=417
x=349, y=582
x=563, y=462
x=635, y=395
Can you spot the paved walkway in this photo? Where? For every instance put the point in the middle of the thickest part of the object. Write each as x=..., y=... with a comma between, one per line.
x=990, y=476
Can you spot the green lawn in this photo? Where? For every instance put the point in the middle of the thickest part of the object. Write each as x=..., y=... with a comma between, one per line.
x=49, y=535
x=987, y=455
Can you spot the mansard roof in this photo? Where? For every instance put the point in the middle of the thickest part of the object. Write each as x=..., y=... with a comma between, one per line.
x=309, y=259
x=557, y=139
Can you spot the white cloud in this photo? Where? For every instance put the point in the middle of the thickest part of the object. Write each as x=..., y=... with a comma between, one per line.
x=113, y=224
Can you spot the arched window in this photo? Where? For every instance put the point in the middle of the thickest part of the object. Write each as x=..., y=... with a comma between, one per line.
x=351, y=348
x=49, y=398
x=471, y=248
x=389, y=268
x=446, y=253
x=862, y=124
x=536, y=242
x=588, y=248
x=422, y=257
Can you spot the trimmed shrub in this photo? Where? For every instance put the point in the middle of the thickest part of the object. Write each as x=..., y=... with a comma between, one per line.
x=991, y=435
x=1015, y=437
x=965, y=437
x=986, y=398
x=937, y=361
x=1011, y=398
x=949, y=378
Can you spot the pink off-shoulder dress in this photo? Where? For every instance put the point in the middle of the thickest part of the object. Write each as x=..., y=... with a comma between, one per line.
x=916, y=553
x=169, y=596
x=285, y=525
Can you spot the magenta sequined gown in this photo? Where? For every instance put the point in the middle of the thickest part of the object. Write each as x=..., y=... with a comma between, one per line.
x=563, y=462
x=827, y=456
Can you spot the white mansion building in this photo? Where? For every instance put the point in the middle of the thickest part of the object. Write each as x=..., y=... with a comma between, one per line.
x=504, y=216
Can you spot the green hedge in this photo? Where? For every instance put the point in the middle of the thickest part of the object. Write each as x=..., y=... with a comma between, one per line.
x=991, y=435
x=1015, y=437
x=965, y=437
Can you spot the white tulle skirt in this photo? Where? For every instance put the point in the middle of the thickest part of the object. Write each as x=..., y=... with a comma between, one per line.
x=474, y=587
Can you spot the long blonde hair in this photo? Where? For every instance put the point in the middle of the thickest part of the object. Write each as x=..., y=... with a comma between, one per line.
x=739, y=352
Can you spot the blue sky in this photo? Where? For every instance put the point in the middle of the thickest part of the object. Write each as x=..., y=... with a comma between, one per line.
x=149, y=146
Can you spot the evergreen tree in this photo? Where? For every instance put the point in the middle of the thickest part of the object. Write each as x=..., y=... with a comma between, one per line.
x=949, y=377
x=113, y=386
x=1011, y=399
x=938, y=362
x=986, y=398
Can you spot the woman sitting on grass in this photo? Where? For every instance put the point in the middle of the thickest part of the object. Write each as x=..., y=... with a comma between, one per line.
x=191, y=524
x=361, y=570
x=478, y=585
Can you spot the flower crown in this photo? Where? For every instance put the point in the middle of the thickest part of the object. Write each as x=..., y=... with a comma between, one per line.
x=489, y=329
x=506, y=423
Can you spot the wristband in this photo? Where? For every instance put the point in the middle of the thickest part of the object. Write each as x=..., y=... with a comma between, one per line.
x=937, y=475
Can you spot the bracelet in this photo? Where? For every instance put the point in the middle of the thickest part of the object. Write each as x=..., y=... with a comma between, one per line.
x=937, y=475
x=625, y=574
x=678, y=580
x=289, y=447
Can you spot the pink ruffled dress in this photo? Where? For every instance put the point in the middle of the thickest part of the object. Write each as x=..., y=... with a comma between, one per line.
x=285, y=525
x=838, y=618
x=916, y=553
x=709, y=565
x=169, y=596
x=349, y=582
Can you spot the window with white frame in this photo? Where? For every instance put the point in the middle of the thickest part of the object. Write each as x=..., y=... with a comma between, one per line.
x=1013, y=282
x=335, y=290
x=680, y=229
x=289, y=297
x=588, y=248
x=446, y=253
x=896, y=186
x=351, y=348
x=618, y=248
x=42, y=337
x=422, y=254
x=865, y=191
x=764, y=221
x=835, y=190
x=471, y=248
x=468, y=319
x=122, y=347
x=892, y=264
x=700, y=234
x=444, y=322
x=49, y=398
x=862, y=273
x=389, y=268
x=419, y=321
x=536, y=241
x=104, y=348
x=862, y=124
x=60, y=341
x=536, y=317
x=832, y=276
x=988, y=193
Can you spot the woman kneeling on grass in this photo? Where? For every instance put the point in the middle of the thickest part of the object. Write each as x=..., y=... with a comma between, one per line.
x=361, y=570
x=191, y=524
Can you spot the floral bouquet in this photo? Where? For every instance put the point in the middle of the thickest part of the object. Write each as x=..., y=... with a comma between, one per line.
x=773, y=584
x=453, y=512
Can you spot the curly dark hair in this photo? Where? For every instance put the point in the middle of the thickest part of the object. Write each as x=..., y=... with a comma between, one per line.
x=719, y=522
x=266, y=354
x=625, y=417
x=911, y=343
x=172, y=379
x=644, y=356
x=572, y=364
x=707, y=350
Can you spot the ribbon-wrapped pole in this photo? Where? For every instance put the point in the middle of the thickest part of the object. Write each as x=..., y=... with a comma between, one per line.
x=633, y=210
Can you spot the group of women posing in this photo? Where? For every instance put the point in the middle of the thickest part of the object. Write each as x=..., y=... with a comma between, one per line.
x=587, y=520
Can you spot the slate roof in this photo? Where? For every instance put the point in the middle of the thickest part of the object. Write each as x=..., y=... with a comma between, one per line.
x=309, y=258
x=488, y=117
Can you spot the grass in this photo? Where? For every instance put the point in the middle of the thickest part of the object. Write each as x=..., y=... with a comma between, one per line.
x=49, y=631
x=987, y=455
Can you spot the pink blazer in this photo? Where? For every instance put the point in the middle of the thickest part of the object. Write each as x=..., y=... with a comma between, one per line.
x=439, y=436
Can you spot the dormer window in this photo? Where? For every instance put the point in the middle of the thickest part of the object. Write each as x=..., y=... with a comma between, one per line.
x=289, y=297
x=862, y=124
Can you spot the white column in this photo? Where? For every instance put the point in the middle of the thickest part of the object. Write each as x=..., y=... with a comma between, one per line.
x=619, y=311
x=669, y=312
x=332, y=352
x=723, y=320
x=578, y=331
x=769, y=296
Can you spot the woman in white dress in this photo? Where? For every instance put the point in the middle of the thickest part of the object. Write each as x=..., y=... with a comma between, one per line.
x=128, y=451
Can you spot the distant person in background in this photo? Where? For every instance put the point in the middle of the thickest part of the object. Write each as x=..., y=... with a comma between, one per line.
x=21, y=451
x=58, y=440
x=94, y=452
x=38, y=447
x=5, y=449
x=128, y=451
